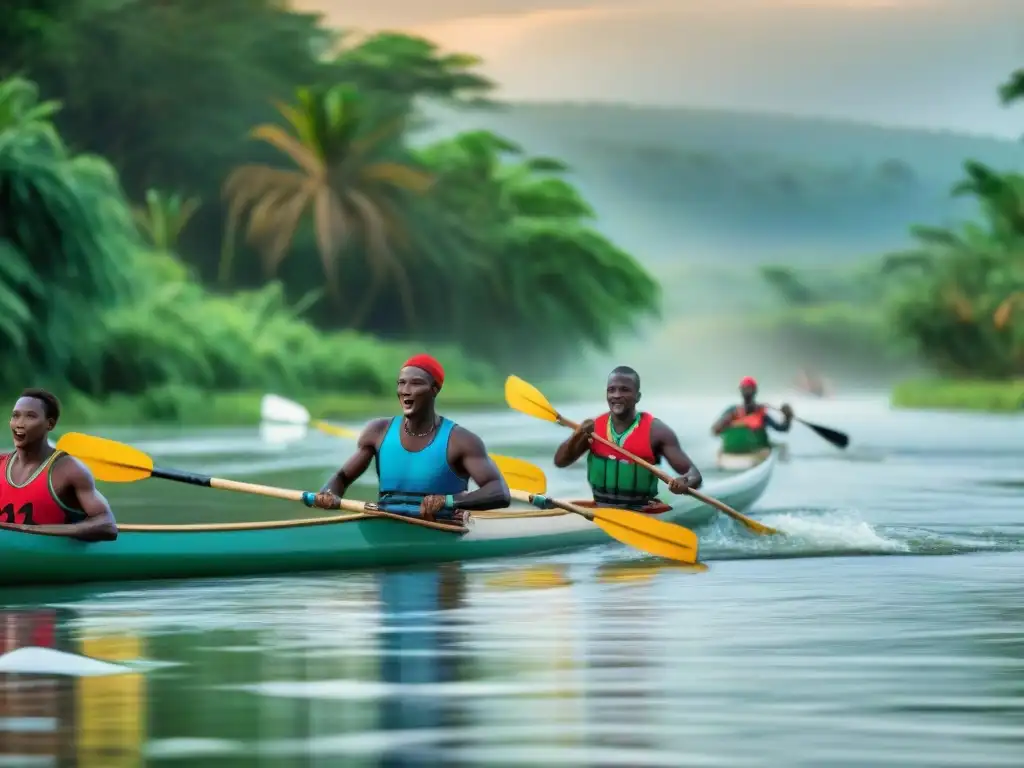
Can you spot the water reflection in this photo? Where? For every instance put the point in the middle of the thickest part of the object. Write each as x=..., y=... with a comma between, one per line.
x=387, y=670
x=93, y=722
x=419, y=646
x=622, y=654
x=626, y=662
x=644, y=569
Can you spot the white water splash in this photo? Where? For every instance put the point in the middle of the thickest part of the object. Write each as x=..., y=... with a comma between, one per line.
x=839, y=530
x=809, y=533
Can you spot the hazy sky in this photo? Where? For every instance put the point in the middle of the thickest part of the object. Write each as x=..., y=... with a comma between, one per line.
x=932, y=63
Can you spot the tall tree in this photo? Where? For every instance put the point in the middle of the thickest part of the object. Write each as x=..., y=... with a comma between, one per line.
x=351, y=176
x=408, y=67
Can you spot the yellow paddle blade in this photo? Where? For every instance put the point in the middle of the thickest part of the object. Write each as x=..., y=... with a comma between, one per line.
x=645, y=533
x=521, y=474
x=109, y=460
x=336, y=431
x=527, y=399
x=759, y=528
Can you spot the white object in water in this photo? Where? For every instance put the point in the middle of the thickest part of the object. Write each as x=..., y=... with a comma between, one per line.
x=46, y=661
x=276, y=408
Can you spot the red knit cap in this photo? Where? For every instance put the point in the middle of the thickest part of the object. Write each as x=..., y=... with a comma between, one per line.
x=428, y=364
x=748, y=381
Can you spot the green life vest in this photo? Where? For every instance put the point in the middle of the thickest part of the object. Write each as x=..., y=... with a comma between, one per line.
x=747, y=433
x=615, y=482
x=744, y=440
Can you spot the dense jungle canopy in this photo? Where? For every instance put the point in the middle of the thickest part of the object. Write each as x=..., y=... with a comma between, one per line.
x=230, y=196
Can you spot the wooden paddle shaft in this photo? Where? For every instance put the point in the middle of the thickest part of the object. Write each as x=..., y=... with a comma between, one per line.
x=363, y=507
x=659, y=473
x=238, y=486
x=529, y=497
x=258, y=490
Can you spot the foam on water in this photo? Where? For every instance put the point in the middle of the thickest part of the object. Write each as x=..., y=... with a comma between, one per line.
x=806, y=533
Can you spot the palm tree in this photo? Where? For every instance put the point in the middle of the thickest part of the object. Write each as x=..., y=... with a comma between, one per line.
x=164, y=217
x=967, y=282
x=352, y=177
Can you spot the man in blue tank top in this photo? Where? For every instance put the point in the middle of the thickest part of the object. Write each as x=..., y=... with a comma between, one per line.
x=424, y=461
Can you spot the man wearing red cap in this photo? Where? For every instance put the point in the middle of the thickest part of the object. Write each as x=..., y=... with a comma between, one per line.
x=744, y=428
x=424, y=460
x=614, y=480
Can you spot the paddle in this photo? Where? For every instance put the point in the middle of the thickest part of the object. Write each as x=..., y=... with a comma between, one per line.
x=834, y=436
x=517, y=473
x=276, y=409
x=527, y=399
x=116, y=462
x=637, y=530
x=632, y=528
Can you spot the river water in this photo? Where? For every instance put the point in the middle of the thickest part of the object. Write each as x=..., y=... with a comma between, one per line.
x=886, y=628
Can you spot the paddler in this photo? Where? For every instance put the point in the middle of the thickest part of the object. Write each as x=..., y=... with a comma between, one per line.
x=424, y=460
x=43, y=489
x=615, y=481
x=744, y=428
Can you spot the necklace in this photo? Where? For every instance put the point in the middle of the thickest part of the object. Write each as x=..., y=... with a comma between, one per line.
x=405, y=423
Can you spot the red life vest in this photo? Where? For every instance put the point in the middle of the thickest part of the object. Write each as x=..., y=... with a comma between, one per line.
x=753, y=420
x=637, y=441
x=35, y=502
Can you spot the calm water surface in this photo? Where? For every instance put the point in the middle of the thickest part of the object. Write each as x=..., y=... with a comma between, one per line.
x=887, y=629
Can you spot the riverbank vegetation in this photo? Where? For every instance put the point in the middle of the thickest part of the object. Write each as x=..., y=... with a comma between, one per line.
x=227, y=197
x=959, y=295
x=961, y=395
x=954, y=301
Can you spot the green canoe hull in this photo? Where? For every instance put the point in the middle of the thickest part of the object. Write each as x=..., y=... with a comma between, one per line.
x=28, y=559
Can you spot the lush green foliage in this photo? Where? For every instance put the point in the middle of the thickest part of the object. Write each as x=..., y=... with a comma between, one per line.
x=331, y=199
x=961, y=291
x=64, y=240
x=961, y=395
x=528, y=258
x=86, y=303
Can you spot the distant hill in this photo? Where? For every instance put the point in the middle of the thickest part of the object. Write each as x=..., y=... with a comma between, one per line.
x=695, y=187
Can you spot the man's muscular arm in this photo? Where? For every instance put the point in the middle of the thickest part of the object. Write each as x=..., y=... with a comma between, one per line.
x=493, y=492
x=359, y=462
x=577, y=444
x=666, y=444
